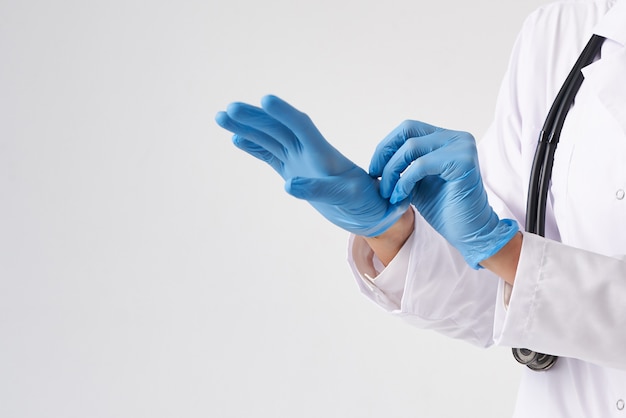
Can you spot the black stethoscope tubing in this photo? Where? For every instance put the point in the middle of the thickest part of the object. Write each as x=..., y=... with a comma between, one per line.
x=541, y=172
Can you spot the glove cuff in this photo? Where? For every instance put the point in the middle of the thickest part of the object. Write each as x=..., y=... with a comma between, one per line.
x=488, y=245
x=393, y=214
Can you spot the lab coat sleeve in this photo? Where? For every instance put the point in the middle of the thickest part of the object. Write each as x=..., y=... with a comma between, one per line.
x=429, y=285
x=567, y=302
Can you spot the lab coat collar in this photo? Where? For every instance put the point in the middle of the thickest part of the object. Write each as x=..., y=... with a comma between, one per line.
x=606, y=75
x=606, y=78
x=613, y=24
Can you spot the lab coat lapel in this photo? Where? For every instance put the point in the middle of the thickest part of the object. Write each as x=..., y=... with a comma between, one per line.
x=607, y=77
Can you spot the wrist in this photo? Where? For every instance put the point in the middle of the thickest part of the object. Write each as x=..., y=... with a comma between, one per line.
x=389, y=243
x=487, y=241
x=504, y=262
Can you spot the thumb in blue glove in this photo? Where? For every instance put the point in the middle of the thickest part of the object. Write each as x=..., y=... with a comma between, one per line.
x=438, y=169
x=313, y=170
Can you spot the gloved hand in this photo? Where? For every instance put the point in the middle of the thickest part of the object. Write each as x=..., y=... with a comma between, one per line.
x=440, y=174
x=313, y=170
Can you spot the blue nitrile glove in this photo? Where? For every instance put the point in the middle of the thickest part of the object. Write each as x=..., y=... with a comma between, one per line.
x=440, y=173
x=313, y=170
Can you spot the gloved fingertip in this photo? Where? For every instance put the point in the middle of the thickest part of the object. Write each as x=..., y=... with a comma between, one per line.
x=374, y=172
x=293, y=187
x=384, y=189
x=269, y=96
x=269, y=100
x=237, y=140
x=277, y=107
x=396, y=197
x=235, y=109
x=221, y=118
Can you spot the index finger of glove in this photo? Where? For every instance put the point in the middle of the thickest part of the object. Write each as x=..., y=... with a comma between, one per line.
x=409, y=153
x=298, y=122
x=388, y=147
x=435, y=163
x=260, y=120
x=251, y=134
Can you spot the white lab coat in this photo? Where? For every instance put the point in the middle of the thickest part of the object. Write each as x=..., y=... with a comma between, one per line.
x=569, y=297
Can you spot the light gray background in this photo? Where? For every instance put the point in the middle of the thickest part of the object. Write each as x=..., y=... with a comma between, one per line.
x=148, y=268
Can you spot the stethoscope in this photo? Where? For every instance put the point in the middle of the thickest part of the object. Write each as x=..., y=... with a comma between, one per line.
x=541, y=173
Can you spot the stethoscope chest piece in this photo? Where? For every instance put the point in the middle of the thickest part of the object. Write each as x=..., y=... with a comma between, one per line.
x=533, y=360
